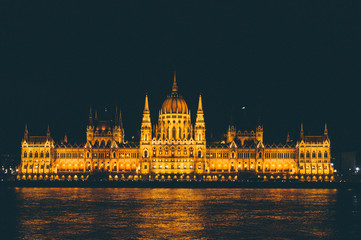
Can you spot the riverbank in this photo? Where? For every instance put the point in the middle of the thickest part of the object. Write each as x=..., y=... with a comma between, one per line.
x=181, y=184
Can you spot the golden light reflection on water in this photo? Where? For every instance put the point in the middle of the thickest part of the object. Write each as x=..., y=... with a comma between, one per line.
x=171, y=213
x=90, y=213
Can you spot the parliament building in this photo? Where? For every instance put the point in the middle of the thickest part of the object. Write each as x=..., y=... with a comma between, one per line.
x=173, y=149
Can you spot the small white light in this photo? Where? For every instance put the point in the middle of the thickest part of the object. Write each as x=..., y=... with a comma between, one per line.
x=357, y=169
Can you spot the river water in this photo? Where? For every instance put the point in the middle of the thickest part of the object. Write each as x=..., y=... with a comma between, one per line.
x=131, y=213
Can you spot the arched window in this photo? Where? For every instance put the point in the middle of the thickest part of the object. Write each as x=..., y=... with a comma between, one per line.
x=308, y=154
x=313, y=154
x=87, y=154
x=199, y=154
x=41, y=154
x=36, y=154
x=319, y=155
x=326, y=155
x=232, y=154
x=25, y=154
x=145, y=153
x=47, y=154
x=146, y=137
x=302, y=155
x=173, y=133
x=113, y=154
x=260, y=155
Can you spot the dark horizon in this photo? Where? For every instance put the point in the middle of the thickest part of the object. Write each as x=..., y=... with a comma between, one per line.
x=287, y=63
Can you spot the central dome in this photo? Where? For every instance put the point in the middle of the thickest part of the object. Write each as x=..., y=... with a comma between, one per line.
x=174, y=102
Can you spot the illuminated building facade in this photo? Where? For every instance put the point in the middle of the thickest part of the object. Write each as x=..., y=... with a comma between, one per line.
x=174, y=148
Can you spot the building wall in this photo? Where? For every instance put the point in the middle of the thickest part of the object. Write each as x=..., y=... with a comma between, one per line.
x=178, y=159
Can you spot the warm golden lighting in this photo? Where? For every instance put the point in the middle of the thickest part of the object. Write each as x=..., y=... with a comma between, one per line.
x=176, y=139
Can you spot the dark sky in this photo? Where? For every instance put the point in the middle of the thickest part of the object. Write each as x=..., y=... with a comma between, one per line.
x=287, y=61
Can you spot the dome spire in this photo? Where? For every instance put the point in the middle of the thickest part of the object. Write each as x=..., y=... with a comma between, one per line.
x=175, y=87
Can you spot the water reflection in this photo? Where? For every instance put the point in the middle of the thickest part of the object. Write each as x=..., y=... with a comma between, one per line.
x=89, y=213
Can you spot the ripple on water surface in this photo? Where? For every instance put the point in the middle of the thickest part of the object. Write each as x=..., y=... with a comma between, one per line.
x=116, y=213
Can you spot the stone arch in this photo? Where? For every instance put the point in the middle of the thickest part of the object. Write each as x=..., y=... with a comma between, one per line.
x=145, y=153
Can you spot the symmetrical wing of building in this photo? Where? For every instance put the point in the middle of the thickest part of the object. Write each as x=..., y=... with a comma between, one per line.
x=174, y=148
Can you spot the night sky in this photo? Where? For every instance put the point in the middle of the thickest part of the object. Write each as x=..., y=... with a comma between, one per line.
x=287, y=62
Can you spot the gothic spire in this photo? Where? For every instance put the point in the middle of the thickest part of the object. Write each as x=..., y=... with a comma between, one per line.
x=90, y=116
x=116, y=115
x=146, y=105
x=325, y=132
x=301, y=132
x=200, y=107
x=288, y=137
x=26, y=132
x=120, y=119
x=48, y=132
x=200, y=116
x=175, y=87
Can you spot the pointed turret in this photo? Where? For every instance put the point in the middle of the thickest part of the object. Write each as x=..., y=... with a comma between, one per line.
x=174, y=87
x=145, y=130
x=48, y=133
x=146, y=105
x=259, y=133
x=301, y=132
x=65, y=138
x=120, y=119
x=200, y=107
x=231, y=134
x=288, y=139
x=325, y=133
x=96, y=115
x=200, y=117
x=90, y=116
x=116, y=115
x=90, y=127
x=26, y=132
x=200, y=128
x=118, y=131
